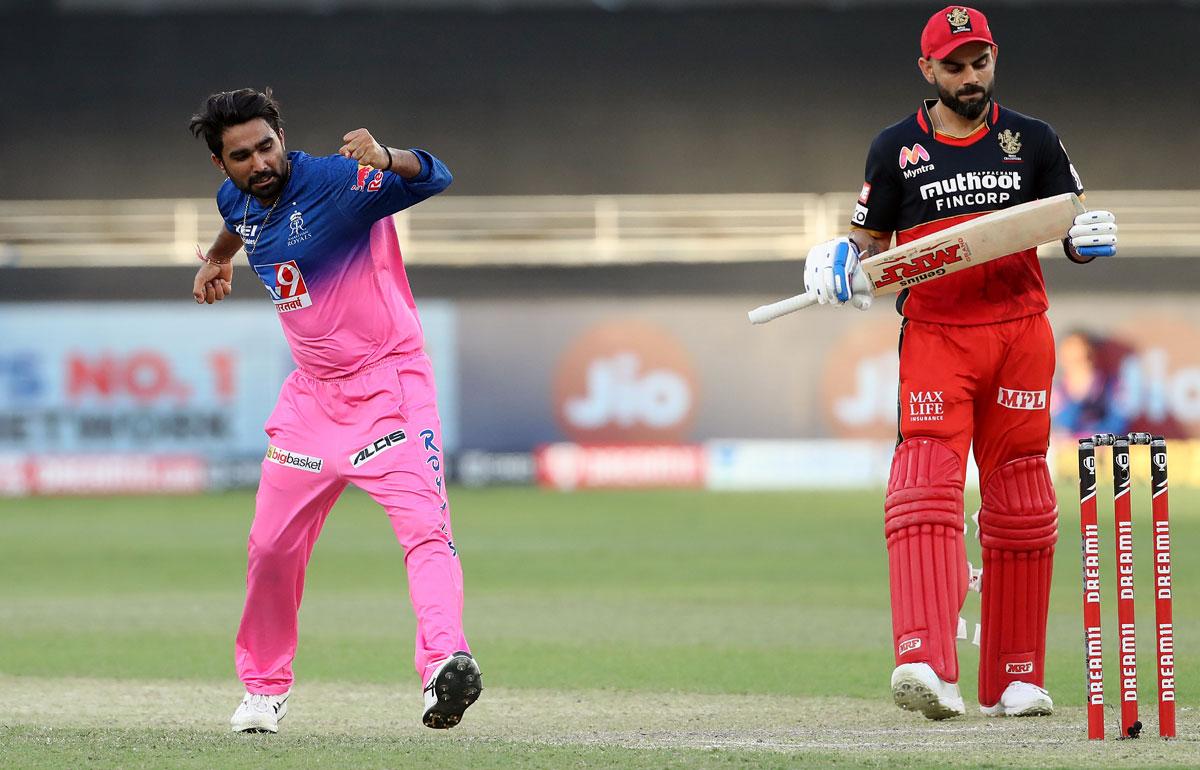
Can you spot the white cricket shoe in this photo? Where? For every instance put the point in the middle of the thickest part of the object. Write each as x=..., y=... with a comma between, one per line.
x=260, y=713
x=455, y=684
x=1021, y=699
x=915, y=687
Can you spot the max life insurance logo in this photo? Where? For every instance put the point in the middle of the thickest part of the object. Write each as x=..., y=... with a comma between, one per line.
x=625, y=382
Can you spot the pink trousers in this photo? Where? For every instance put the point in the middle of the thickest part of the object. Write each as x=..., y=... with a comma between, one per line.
x=379, y=430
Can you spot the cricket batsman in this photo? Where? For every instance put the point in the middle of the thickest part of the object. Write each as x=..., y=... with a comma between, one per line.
x=360, y=408
x=976, y=365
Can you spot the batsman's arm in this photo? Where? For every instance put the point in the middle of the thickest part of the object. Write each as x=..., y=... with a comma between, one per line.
x=870, y=242
x=214, y=279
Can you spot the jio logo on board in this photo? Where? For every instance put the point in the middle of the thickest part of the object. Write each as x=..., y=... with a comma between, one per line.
x=625, y=382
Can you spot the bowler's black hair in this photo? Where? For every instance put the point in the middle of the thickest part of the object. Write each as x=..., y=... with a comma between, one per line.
x=231, y=108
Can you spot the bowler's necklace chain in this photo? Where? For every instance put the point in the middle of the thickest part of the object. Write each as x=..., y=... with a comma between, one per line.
x=246, y=213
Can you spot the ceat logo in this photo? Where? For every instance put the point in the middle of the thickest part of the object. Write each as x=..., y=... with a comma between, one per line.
x=625, y=382
x=1025, y=667
x=908, y=645
x=1022, y=399
x=911, y=157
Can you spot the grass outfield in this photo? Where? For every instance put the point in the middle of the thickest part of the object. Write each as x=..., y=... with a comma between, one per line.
x=656, y=629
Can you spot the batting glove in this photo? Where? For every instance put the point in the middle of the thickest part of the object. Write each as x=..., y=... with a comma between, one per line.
x=829, y=274
x=1094, y=234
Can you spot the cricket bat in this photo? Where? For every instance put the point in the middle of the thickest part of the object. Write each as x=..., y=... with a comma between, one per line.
x=939, y=254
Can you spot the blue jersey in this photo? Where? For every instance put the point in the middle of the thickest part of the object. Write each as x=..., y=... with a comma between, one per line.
x=330, y=261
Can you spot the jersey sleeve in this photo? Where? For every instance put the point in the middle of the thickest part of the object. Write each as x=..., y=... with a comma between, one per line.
x=227, y=198
x=1055, y=172
x=878, y=206
x=367, y=194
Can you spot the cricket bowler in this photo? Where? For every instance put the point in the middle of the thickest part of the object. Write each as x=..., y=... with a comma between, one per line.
x=976, y=365
x=360, y=408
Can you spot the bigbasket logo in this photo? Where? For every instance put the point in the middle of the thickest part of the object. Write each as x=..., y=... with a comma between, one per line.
x=1031, y=400
x=1025, y=667
x=908, y=645
x=625, y=382
x=294, y=459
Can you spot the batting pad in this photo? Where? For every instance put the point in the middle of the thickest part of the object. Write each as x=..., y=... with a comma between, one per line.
x=923, y=521
x=1018, y=526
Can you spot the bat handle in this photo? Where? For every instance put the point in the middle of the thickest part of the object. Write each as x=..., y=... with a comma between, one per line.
x=760, y=315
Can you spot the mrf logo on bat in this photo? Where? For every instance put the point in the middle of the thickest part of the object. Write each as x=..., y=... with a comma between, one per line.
x=927, y=263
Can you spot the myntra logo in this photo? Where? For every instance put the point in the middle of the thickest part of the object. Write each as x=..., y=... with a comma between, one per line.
x=923, y=264
x=913, y=156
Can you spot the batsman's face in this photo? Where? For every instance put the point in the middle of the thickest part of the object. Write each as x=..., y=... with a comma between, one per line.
x=255, y=158
x=964, y=79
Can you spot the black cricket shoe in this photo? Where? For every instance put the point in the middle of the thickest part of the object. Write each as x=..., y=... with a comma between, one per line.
x=456, y=684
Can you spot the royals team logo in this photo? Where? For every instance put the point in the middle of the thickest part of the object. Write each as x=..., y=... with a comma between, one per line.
x=959, y=19
x=286, y=286
x=912, y=156
x=297, y=233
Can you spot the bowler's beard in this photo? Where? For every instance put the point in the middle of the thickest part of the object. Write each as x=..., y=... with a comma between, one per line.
x=269, y=191
x=969, y=110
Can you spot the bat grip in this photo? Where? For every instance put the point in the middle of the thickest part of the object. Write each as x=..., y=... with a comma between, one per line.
x=764, y=313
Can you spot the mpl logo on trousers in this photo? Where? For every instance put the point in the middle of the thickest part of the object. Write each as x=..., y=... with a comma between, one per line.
x=294, y=459
x=1022, y=399
x=625, y=382
x=377, y=447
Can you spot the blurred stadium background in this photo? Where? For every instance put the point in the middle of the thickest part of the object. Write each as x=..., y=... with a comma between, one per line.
x=630, y=177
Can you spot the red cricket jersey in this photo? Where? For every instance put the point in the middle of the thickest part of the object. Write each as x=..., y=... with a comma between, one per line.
x=919, y=181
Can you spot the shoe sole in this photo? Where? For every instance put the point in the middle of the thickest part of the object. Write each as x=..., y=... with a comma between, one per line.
x=457, y=686
x=911, y=694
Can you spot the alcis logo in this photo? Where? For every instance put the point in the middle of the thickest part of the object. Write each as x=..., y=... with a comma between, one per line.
x=913, y=156
x=1018, y=668
x=926, y=264
x=908, y=645
x=376, y=447
x=1022, y=399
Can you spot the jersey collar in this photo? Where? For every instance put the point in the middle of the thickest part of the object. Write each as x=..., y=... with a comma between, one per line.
x=926, y=124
